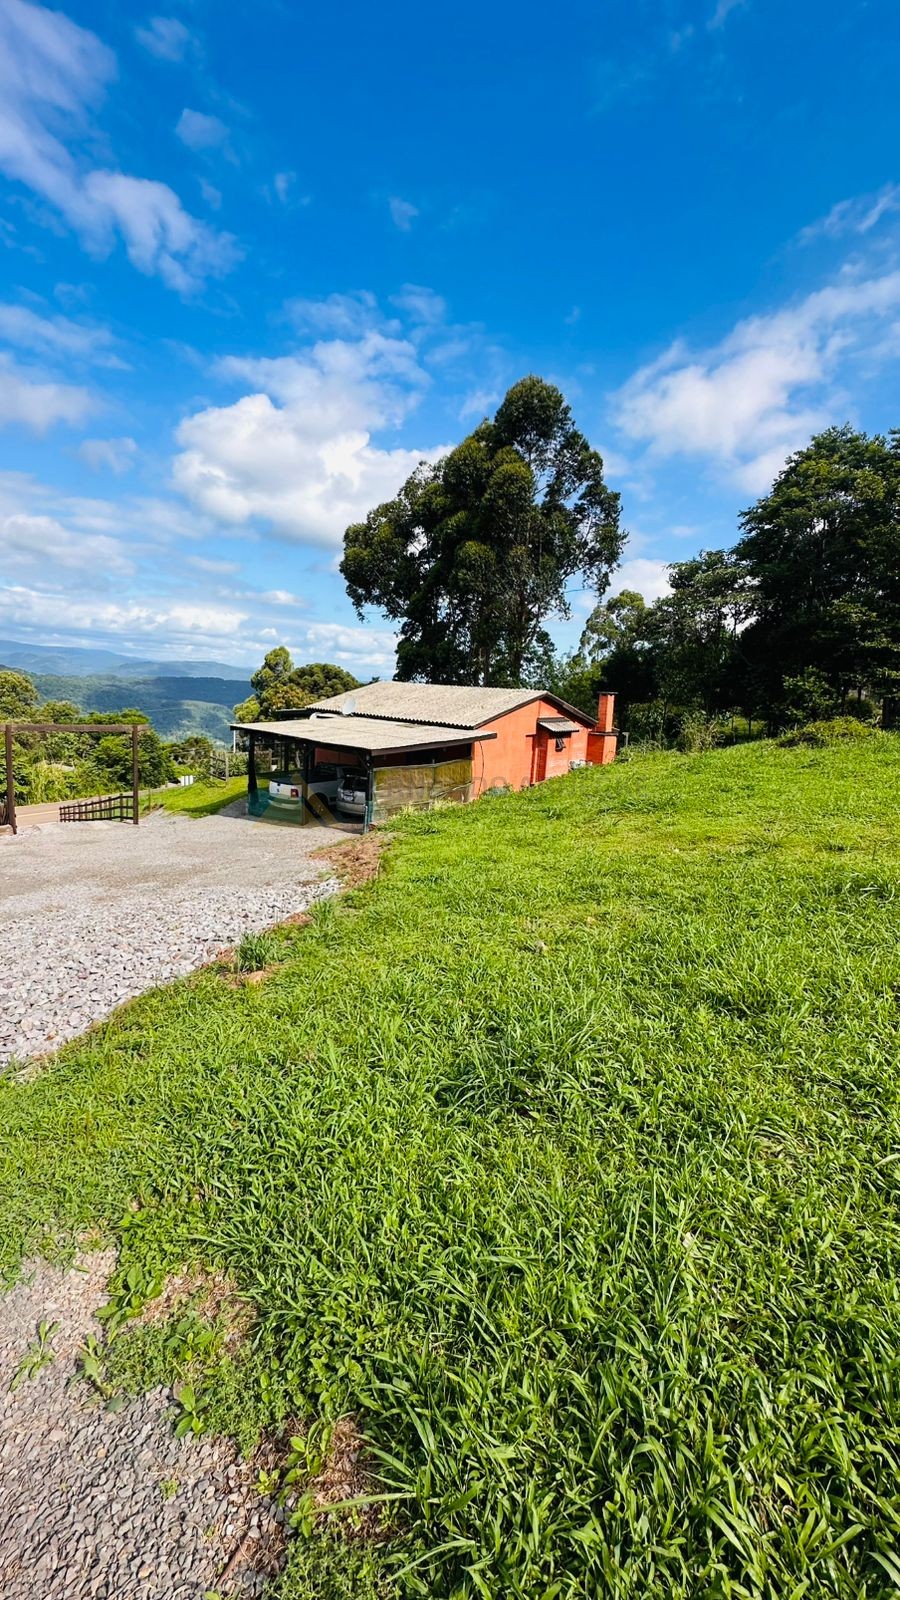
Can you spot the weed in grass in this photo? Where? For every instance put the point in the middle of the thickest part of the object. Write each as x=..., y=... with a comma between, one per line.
x=36, y=1357
x=599, y=1243
x=257, y=951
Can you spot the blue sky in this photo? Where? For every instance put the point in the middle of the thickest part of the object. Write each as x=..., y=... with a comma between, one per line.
x=258, y=261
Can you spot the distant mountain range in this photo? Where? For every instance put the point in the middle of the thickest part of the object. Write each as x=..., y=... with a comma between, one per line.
x=78, y=661
x=179, y=697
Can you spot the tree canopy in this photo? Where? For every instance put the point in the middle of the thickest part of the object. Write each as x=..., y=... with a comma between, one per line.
x=474, y=554
x=280, y=686
x=802, y=612
x=18, y=695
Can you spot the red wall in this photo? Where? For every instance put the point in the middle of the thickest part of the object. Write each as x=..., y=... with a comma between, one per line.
x=515, y=757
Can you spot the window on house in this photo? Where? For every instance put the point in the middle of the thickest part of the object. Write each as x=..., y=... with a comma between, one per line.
x=560, y=742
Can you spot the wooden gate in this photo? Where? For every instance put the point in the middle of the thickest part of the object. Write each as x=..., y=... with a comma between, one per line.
x=123, y=807
x=106, y=808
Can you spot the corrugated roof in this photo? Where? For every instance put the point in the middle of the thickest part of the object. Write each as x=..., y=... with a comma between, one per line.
x=458, y=705
x=559, y=725
x=377, y=734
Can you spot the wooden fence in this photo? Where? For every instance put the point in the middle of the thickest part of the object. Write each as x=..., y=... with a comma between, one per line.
x=107, y=808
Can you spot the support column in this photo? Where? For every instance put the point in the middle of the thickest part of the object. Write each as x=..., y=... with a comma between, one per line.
x=10, y=780
x=305, y=752
x=135, y=774
x=252, y=786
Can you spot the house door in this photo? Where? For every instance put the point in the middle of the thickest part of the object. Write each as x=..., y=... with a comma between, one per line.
x=540, y=758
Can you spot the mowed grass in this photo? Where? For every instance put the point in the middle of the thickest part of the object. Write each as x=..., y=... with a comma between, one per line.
x=566, y=1158
x=200, y=799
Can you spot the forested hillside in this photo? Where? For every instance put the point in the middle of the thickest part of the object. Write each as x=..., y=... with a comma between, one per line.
x=176, y=706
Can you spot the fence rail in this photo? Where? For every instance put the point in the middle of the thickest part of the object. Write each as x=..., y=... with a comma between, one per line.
x=107, y=808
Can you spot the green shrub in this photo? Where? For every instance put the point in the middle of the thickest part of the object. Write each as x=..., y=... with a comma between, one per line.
x=833, y=730
x=697, y=732
x=808, y=697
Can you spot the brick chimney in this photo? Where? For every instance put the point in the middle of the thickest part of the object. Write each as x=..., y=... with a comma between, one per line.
x=601, y=741
x=606, y=706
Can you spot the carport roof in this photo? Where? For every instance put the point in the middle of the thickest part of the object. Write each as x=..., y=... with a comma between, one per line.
x=367, y=734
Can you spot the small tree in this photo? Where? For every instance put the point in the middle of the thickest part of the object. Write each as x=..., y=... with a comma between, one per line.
x=280, y=686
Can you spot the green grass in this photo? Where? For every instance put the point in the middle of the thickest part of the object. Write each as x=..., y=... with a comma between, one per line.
x=201, y=799
x=566, y=1156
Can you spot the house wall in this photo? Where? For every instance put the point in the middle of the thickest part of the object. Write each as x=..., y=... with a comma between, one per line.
x=522, y=753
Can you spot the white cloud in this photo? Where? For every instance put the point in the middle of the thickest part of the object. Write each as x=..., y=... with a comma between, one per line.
x=857, y=216
x=403, y=213
x=199, y=131
x=750, y=400
x=51, y=73
x=164, y=37
x=109, y=455
x=421, y=305
x=342, y=314
x=478, y=403
x=160, y=237
x=21, y=326
x=37, y=543
x=211, y=564
x=297, y=452
x=284, y=183
x=211, y=194
x=723, y=12
x=649, y=578
x=38, y=405
x=171, y=622
x=348, y=646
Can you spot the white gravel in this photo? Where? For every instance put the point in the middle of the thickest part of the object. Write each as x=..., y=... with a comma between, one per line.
x=100, y=1505
x=96, y=913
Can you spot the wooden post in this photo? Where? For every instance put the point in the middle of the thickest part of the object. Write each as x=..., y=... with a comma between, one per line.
x=10, y=780
x=135, y=775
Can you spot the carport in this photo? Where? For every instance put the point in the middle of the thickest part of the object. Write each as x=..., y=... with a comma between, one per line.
x=404, y=764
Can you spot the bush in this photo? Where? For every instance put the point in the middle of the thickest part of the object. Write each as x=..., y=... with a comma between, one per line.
x=697, y=732
x=655, y=726
x=808, y=697
x=832, y=730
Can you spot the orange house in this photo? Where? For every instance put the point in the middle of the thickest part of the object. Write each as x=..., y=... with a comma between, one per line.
x=520, y=736
x=424, y=744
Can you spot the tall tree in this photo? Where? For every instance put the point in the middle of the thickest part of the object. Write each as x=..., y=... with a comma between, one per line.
x=822, y=554
x=474, y=554
x=693, y=633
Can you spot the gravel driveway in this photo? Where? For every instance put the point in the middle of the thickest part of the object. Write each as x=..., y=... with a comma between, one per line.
x=98, y=912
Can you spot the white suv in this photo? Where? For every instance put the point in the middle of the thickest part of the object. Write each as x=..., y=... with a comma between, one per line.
x=352, y=793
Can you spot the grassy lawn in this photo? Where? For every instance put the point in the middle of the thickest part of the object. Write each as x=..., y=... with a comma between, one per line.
x=565, y=1157
x=200, y=799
